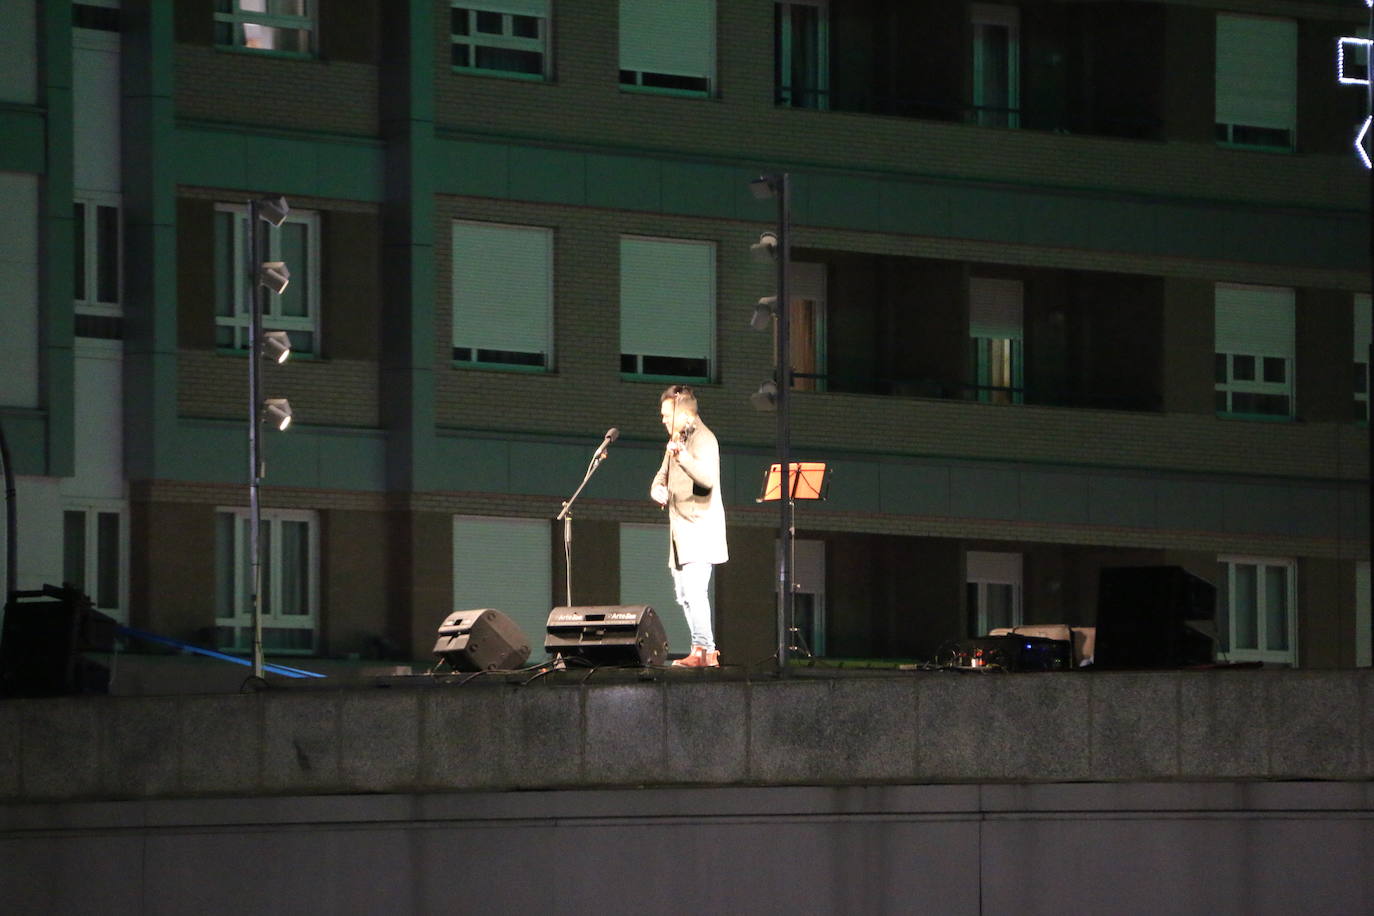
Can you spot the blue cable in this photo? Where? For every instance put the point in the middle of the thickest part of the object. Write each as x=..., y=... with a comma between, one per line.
x=283, y=670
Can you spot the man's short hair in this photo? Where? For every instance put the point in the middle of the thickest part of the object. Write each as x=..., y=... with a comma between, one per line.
x=682, y=397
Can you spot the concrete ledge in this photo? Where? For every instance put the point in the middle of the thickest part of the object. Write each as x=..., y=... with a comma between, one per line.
x=922, y=728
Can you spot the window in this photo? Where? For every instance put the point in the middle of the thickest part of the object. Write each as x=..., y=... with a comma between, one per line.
x=996, y=65
x=1257, y=596
x=806, y=330
x=96, y=258
x=1254, y=351
x=808, y=602
x=502, y=296
x=297, y=309
x=507, y=37
x=285, y=26
x=801, y=54
x=994, y=590
x=669, y=47
x=289, y=542
x=995, y=329
x=505, y=563
x=1256, y=82
x=94, y=539
x=667, y=308
x=1361, y=336
x=645, y=579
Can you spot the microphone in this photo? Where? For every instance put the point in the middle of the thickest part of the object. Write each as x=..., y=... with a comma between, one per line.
x=612, y=434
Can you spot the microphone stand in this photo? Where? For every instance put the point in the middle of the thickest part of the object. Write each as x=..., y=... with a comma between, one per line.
x=565, y=515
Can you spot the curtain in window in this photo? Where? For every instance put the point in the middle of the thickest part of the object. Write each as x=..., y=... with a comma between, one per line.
x=667, y=297
x=676, y=38
x=645, y=579
x=502, y=287
x=1257, y=72
x=506, y=564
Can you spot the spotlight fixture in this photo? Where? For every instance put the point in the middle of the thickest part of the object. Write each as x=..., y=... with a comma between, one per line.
x=763, y=187
x=274, y=276
x=279, y=411
x=273, y=210
x=765, y=400
x=277, y=345
x=765, y=250
x=764, y=313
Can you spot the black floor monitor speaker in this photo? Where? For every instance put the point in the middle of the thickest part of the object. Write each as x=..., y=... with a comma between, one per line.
x=44, y=635
x=627, y=634
x=1144, y=615
x=1013, y=653
x=481, y=640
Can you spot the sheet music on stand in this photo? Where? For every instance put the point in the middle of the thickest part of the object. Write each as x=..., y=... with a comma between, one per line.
x=806, y=480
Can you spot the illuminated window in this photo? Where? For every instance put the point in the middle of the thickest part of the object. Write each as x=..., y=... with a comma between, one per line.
x=994, y=590
x=285, y=26
x=801, y=53
x=502, y=296
x=1256, y=82
x=1257, y=596
x=996, y=65
x=667, y=307
x=1254, y=351
x=1361, y=336
x=995, y=329
x=289, y=542
x=506, y=37
x=668, y=47
x=806, y=328
x=94, y=544
x=297, y=309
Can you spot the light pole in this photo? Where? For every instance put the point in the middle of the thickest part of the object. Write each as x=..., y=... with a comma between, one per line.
x=778, y=249
x=262, y=275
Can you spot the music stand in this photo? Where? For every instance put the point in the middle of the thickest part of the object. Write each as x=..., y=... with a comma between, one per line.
x=808, y=480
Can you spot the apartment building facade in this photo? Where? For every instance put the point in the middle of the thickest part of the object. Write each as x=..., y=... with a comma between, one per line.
x=1076, y=285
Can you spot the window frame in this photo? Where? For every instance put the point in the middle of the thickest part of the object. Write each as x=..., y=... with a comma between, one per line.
x=1261, y=653
x=91, y=509
x=474, y=361
x=1226, y=131
x=1230, y=385
x=543, y=44
x=88, y=257
x=631, y=80
x=783, y=51
x=982, y=15
x=997, y=566
x=272, y=319
x=1361, y=313
x=241, y=566
x=638, y=374
x=237, y=17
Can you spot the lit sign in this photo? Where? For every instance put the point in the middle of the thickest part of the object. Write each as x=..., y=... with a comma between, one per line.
x=1355, y=44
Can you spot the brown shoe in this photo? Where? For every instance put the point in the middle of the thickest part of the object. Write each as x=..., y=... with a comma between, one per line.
x=713, y=659
x=694, y=659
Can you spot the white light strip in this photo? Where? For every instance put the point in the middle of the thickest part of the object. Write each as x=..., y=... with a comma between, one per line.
x=1359, y=142
x=1340, y=59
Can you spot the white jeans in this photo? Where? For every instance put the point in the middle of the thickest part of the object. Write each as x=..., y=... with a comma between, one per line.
x=690, y=584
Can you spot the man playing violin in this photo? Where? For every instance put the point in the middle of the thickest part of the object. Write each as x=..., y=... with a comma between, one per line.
x=688, y=486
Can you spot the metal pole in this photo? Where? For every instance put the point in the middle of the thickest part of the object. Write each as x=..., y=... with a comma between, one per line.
x=784, y=374
x=255, y=258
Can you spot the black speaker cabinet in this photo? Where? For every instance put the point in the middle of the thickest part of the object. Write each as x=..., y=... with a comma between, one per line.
x=481, y=640
x=1014, y=653
x=627, y=634
x=1143, y=615
x=44, y=635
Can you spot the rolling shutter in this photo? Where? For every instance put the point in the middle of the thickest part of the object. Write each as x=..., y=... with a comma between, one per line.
x=502, y=287
x=667, y=297
x=1255, y=320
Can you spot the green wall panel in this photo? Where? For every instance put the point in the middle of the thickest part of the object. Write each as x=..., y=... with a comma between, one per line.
x=474, y=169
x=23, y=146
x=623, y=183
x=547, y=175
x=26, y=433
x=306, y=165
